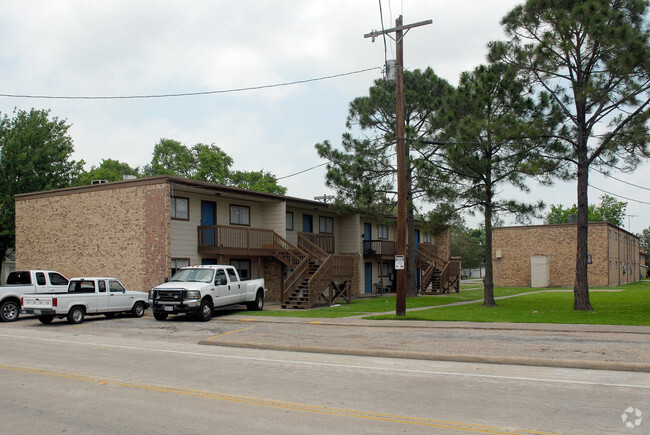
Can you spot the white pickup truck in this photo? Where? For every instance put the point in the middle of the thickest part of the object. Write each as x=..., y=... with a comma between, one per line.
x=199, y=290
x=20, y=282
x=96, y=295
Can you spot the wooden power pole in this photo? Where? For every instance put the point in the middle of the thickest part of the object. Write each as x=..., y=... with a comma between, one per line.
x=402, y=158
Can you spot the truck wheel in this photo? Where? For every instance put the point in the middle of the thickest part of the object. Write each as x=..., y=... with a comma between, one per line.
x=258, y=303
x=45, y=320
x=76, y=315
x=138, y=309
x=205, y=312
x=160, y=316
x=9, y=311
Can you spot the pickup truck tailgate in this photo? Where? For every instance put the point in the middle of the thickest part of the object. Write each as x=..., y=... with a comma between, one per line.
x=38, y=301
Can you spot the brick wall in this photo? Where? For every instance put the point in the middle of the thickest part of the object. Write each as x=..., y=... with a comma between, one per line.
x=122, y=232
x=273, y=279
x=518, y=244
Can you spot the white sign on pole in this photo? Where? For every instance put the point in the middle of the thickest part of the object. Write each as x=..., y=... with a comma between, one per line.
x=399, y=262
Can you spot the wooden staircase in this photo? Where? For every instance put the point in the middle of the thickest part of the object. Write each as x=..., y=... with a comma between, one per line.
x=298, y=297
x=438, y=276
x=315, y=274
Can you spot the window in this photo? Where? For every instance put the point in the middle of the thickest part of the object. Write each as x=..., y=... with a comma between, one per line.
x=40, y=278
x=426, y=238
x=177, y=263
x=326, y=225
x=382, y=232
x=180, y=208
x=243, y=268
x=101, y=286
x=383, y=270
x=220, y=277
x=232, y=276
x=240, y=215
x=115, y=287
x=289, y=223
x=57, y=279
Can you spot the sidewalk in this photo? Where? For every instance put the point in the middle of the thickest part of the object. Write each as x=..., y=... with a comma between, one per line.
x=603, y=347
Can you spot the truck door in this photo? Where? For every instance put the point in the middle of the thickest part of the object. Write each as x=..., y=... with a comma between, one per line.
x=118, y=300
x=58, y=282
x=234, y=285
x=102, y=296
x=42, y=285
x=221, y=294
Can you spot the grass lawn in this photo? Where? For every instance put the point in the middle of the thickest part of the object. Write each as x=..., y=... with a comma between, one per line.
x=630, y=306
x=385, y=304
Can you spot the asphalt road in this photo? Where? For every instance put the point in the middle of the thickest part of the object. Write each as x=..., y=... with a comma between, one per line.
x=140, y=375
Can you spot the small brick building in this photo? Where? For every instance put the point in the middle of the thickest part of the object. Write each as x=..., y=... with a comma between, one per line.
x=521, y=254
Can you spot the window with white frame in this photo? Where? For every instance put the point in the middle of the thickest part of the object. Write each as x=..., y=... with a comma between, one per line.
x=382, y=232
x=180, y=208
x=326, y=225
x=240, y=215
x=426, y=238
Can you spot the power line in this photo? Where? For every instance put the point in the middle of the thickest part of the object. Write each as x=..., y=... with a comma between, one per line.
x=303, y=171
x=188, y=94
x=622, y=181
x=618, y=196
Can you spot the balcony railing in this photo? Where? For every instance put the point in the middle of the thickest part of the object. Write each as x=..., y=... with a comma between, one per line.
x=378, y=248
x=219, y=239
x=326, y=242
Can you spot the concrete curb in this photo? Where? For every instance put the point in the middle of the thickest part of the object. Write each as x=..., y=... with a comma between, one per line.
x=478, y=359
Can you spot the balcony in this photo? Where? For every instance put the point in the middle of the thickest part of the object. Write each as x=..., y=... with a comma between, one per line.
x=234, y=240
x=378, y=248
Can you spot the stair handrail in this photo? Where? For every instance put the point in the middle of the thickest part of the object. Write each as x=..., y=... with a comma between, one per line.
x=312, y=249
x=298, y=274
x=295, y=255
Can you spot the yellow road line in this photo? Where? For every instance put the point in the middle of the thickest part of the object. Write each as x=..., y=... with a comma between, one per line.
x=390, y=418
x=231, y=332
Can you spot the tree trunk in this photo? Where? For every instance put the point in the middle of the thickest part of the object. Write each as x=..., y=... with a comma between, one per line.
x=581, y=287
x=488, y=280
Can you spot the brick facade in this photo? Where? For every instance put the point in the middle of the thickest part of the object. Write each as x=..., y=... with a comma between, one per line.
x=613, y=251
x=121, y=232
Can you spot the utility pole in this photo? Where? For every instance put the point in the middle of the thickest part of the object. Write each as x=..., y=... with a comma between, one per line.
x=401, y=249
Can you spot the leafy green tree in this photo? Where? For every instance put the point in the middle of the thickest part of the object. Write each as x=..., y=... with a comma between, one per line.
x=34, y=156
x=207, y=163
x=610, y=210
x=212, y=164
x=490, y=119
x=257, y=180
x=363, y=170
x=469, y=244
x=108, y=169
x=170, y=157
x=593, y=58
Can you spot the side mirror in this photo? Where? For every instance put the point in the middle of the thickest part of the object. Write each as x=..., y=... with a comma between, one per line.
x=166, y=279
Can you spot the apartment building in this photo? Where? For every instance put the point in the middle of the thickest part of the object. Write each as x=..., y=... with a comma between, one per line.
x=142, y=230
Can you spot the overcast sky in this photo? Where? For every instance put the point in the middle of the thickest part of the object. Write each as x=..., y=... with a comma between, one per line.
x=134, y=47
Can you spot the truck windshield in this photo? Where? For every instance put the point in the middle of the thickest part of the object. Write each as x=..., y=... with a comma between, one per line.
x=193, y=275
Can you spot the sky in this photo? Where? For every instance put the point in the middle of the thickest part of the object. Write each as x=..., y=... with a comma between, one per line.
x=120, y=48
